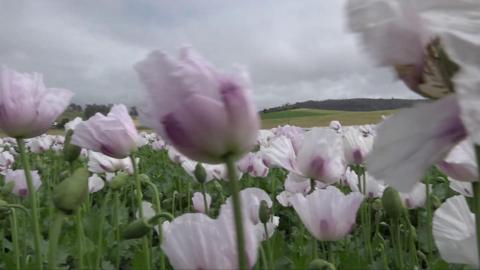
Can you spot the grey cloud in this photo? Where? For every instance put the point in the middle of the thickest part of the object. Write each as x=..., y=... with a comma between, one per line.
x=294, y=50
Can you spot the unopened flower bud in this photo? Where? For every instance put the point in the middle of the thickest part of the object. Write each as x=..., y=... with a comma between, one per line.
x=70, y=151
x=413, y=232
x=264, y=212
x=435, y=201
x=200, y=173
x=72, y=191
x=319, y=264
x=119, y=180
x=137, y=229
x=377, y=205
x=392, y=203
x=144, y=178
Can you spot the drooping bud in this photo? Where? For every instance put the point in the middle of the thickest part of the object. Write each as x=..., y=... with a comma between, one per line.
x=119, y=180
x=392, y=203
x=319, y=264
x=435, y=201
x=70, y=151
x=144, y=178
x=200, y=173
x=264, y=212
x=137, y=229
x=72, y=191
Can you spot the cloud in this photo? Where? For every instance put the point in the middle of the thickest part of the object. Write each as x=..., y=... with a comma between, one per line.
x=294, y=50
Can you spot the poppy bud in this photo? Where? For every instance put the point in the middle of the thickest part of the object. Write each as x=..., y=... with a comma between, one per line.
x=70, y=151
x=319, y=264
x=264, y=212
x=137, y=229
x=119, y=180
x=72, y=191
x=4, y=209
x=200, y=173
x=392, y=203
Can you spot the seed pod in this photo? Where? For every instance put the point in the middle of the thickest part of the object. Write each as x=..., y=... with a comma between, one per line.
x=137, y=229
x=119, y=180
x=72, y=191
x=70, y=151
x=200, y=173
x=319, y=264
x=392, y=203
x=264, y=212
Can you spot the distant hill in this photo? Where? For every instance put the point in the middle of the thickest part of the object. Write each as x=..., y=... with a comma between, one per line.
x=353, y=105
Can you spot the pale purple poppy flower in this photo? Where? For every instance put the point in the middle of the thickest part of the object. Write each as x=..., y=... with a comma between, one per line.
x=357, y=144
x=295, y=134
x=95, y=183
x=280, y=153
x=253, y=164
x=374, y=188
x=416, y=197
x=251, y=200
x=454, y=232
x=320, y=156
x=327, y=214
x=100, y=163
x=199, y=204
x=73, y=123
x=264, y=136
x=20, y=187
x=462, y=187
x=6, y=161
x=40, y=144
x=460, y=164
x=205, y=114
x=414, y=139
x=195, y=241
x=335, y=125
x=114, y=135
x=393, y=33
x=27, y=107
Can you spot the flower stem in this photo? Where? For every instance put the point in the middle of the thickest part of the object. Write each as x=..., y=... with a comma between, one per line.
x=429, y=220
x=139, y=196
x=33, y=200
x=205, y=204
x=476, y=197
x=99, y=255
x=53, y=240
x=80, y=237
x=16, y=248
x=237, y=211
x=116, y=225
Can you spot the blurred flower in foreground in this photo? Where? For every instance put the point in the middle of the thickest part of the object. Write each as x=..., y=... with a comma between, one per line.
x=114, y=135
x=27, y=107
x=454, y=232
x=195, y=241
x=17, y=178
x=328, y=214
x=205, y=114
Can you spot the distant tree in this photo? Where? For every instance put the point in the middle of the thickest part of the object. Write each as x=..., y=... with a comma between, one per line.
x=61, y=124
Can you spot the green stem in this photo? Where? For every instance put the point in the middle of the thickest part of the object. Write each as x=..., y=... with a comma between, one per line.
x=476, y=197
x=139, y=196
x=98, y=258
x=80, y=237
x=53, y=241
x=33, y=199
x=16, y=248
x=237, y=211
x=116, y=225
x=205, y=203
x=269, y=246
x=429, y=220
x=264, y=258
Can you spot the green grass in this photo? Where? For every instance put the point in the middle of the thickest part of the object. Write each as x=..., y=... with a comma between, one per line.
x=313, y=117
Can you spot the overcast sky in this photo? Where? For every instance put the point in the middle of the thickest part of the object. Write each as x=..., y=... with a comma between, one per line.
x=294, y=50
